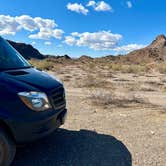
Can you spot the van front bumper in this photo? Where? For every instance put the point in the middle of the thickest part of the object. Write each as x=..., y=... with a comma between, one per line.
x=28, y=131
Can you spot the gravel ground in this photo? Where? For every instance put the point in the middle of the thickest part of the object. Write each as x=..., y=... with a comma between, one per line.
x=99, y=136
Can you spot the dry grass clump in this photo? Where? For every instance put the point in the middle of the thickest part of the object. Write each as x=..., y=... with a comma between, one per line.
x=122, y=66
x=88, y=66
x=132, y=86
x=94, y=81
x=147, y=88
x=45, y=64
x=135, y=69
x=163, y=88
x=102, y=98
x=66, y=78
x=128, y=68
x=108, y=98
x=42, y=64
x=162, y=67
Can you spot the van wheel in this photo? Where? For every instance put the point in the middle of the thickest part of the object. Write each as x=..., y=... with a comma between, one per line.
x=7, y=148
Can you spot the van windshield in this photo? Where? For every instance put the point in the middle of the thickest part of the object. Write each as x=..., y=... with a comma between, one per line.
x=10, y=58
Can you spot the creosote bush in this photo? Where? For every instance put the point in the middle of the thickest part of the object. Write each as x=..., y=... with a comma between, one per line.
x=108, y=98
x=129, y=68
x=42, y=64
x=162, y=67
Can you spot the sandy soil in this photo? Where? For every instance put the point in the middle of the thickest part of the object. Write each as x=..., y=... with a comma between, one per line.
x=131, y=131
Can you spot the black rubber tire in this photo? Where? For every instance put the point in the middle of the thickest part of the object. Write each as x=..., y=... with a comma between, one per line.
x=7, y=148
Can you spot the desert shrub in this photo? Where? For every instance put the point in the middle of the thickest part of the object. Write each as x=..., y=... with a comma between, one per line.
x=163, y=88
x=134, y=69
x=106, y=98
x=102, y=98
x=42, y=64
x=147, y=88
x=115, y=67
x=91, y=66
x=162, y=68
x=128, y=68
x=94, y=81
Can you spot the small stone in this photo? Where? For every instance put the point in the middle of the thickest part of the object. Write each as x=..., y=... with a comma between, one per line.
x=152, y=132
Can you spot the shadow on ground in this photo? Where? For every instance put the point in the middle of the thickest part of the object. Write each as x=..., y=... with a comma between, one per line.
x=74, y=148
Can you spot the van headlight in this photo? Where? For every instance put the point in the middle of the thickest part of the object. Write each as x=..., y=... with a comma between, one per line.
x=36, y=101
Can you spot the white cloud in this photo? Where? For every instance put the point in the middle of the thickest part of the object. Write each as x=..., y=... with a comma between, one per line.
x=70, y=40
x=128, y=48
x=91, y=3
x=42, y=34
x=76, y=34
x=8, y=25
x=46, y=27
x=45, y=23
x=57, y=33
x=31, y=24
x=129, y=4
x=79, y=8
x=26, y=22
x=102, y=6
x=46, y=34
x=102, y=40
x=47, y=43
x=33, y=43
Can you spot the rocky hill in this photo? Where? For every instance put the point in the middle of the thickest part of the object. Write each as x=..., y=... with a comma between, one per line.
x=155, y=52
x=26, y=50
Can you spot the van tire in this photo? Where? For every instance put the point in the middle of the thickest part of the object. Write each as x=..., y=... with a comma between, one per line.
x=7, y=148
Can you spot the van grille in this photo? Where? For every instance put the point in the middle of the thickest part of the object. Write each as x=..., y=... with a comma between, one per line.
x=58, y=98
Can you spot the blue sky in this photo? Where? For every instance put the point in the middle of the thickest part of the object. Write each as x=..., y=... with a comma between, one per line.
x=75, y=27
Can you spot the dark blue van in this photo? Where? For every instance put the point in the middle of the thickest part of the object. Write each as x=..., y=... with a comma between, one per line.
x=32, y=103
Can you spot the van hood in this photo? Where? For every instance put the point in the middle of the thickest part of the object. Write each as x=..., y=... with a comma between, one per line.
x=35, y=78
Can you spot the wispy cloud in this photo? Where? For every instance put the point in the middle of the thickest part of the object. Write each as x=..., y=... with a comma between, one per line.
x=47, y=43
x=79, y=8
x=33, y=43
x=129, y=4
x=128, y=48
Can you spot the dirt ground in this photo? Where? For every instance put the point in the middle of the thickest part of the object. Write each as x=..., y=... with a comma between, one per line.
x=114, y=119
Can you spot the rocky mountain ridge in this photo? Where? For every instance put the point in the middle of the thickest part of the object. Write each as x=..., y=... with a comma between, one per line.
x=155, y=52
